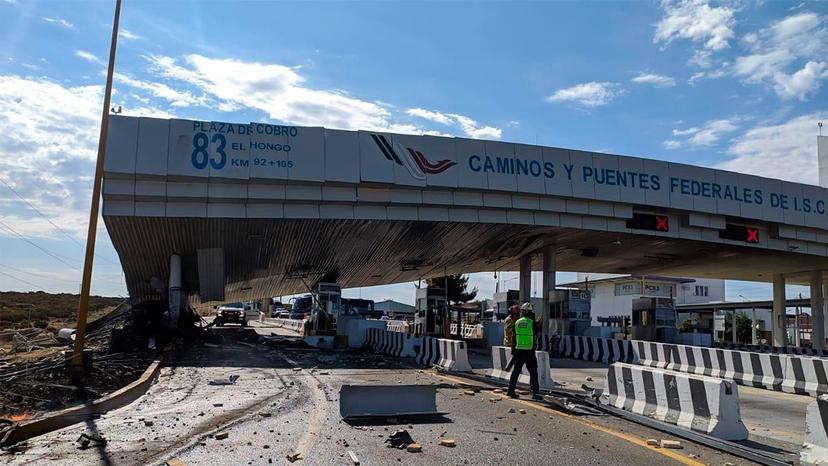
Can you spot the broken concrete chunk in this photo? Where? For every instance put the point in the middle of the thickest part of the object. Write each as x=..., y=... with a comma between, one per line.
x=148, y=423
x=221, y=435
x=447, y=442
x=469, y=392
x=293, y=457
x=589, y=379
x=522, y=411
x=415, y=448
x=511, y=411
x=175, y=462
x=497, y=390
x=652, y=442
x=674, y=444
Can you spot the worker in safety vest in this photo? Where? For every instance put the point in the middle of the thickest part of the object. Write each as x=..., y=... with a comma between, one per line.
x=523, y=350
x=509, y=326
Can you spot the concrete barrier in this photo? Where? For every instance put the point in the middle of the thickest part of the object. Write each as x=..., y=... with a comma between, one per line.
x=397, y=326
x=392, y=343
x=291, y=324
x=451, y=355
x=815, y=449
x=356, y=329
x=597, y=349
x=805, y=376
x=501, y=356
x=792, y=350
x=467, y=331
x=703, y=404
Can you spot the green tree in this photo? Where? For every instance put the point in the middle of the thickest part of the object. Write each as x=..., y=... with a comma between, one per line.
x=743, y=331
x=457, y=288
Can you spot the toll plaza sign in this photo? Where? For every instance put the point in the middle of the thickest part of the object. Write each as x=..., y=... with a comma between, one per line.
x=252, y=152
x=244, y=151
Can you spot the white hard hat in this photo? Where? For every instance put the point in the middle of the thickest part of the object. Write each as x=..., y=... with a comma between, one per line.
x=526, y=307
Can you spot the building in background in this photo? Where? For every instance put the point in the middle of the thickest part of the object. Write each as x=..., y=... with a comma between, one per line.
x=395, y=308
x=612, y=295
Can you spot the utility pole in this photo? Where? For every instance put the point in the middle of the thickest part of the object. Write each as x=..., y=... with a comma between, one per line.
x=83, y=307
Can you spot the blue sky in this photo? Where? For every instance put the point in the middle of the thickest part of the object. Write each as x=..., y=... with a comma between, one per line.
x=737, y=85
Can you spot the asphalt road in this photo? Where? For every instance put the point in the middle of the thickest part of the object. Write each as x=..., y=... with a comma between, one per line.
x=286, y=401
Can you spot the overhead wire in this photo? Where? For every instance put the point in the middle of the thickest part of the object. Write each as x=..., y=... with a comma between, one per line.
x=26, y=282
x=60, y=229
x=44, y=250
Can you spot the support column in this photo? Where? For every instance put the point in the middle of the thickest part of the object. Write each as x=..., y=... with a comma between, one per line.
x=549, y=267
x=817, y=312
x=525, y=278
x=733, y=328
x=753, y=328
x=174, y=289
x=778, y=310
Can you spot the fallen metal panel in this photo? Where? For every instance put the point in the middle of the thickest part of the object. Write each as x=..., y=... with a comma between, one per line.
x=360, y=401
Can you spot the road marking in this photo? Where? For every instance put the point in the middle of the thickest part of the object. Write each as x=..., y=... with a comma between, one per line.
x=622, y=435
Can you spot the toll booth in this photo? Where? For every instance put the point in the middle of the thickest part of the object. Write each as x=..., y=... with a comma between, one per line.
x=326, y=308
x=654, y=319
x=431, y=311
x=569, y=311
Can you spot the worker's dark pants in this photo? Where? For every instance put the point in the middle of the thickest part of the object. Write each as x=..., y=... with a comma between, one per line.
x=520, y=358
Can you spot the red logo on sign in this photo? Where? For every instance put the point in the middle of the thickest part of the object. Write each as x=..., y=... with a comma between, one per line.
x=752, y=235
x=662, y=223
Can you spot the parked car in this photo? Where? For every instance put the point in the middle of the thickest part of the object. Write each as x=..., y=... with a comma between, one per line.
x=231, y=315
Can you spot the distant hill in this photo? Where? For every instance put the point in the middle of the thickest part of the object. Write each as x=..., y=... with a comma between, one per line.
x=17, y=309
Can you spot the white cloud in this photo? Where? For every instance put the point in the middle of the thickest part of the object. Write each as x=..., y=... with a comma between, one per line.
x=469, y=126
x=50, y=136
x=473, y=130
x=283, y=94
x=591, y=94
x=801, y=83
x=175, y=97
x=788, y=56
x=58, y=21
x=657, y=80
x=128, y=35
x=697, y=21
x=430, y=115
x=88, y=56
x=783, y=151
x=702, y=136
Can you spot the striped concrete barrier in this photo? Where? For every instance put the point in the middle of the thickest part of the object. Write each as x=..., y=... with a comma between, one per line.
x=650, y=353
x=452, y=355
x=760, y=370
x=501, y=356
x=703, y=404
x=792, y=350
x=292, y=324
x=597, y=349
x=815, y=449
x=392, y=343
x=806, y=376
x=467, y=331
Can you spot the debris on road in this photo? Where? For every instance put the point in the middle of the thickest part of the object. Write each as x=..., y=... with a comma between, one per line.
x=673, y=444
x=399, y=439
x=86, y=440
x=589, y=378
x=414, y=448
x=221, y=435
x=353, y=457
x=522, y=411
x=447, y=442
x=469, y=392
x=148, y=423
x=293, y=457
x=175, y=462
x=652, y=442
x=228, y=381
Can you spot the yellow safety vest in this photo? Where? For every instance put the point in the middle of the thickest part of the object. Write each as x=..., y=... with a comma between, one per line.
x=524, y=334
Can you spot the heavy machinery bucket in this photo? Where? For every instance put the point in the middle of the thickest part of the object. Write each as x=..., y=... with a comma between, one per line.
x=362, y=401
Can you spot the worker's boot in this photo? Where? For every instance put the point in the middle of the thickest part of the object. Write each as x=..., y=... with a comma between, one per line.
x=512, y=394
x=537, y=396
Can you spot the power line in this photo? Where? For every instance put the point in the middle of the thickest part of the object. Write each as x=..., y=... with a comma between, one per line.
x=34, y=274
x=64, y=232
x=44, y=250
x=26, y=282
